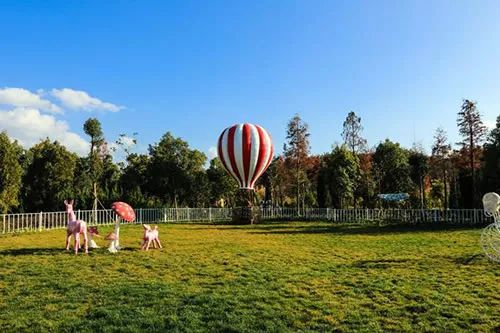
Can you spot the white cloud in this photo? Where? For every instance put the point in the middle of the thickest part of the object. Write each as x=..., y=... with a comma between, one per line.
x=25, y=117
x=490, y=124
x=128, y=141
x=212, y=153
x=112, y=146
x=29, y=126
x=19, y=97
x=77, y=99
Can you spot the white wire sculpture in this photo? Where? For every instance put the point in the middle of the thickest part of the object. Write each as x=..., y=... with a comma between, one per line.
x=490, y=237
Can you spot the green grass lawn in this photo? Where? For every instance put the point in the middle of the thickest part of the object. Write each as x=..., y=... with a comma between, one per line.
x=274, y=277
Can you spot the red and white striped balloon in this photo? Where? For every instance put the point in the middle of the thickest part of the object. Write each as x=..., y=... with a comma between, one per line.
x=245, y=150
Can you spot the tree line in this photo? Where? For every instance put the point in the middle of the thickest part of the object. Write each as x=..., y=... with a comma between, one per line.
x=172, y=174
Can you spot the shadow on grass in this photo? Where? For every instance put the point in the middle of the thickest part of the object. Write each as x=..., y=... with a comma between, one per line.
x=471, y=259
x=39, y=251
x=33, y=251
x=464, y=260
x=340, y=228
x=381, y=263
x=352, y=229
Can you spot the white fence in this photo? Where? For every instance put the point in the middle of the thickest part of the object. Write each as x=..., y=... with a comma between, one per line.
x=11, y=223
x=451, y=216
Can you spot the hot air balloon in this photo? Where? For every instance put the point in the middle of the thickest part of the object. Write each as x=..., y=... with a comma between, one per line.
x=245, y=150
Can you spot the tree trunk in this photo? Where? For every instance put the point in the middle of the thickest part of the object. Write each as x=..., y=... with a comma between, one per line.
x=304, y=200
x=298, y=190
x=472, y=169
x=421, y=193
x=94, y=206
x=445, y=190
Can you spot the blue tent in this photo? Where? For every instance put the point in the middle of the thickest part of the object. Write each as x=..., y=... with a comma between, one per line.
x=396, y=197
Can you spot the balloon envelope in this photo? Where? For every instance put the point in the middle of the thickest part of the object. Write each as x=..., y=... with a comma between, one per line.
x=123, y=210
x=245, y=150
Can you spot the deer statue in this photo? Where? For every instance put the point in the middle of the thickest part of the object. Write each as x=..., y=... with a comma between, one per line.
x=75, y=228
x=150, y=235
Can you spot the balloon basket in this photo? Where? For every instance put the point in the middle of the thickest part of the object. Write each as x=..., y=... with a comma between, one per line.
x=245, y=211
x=246, y=215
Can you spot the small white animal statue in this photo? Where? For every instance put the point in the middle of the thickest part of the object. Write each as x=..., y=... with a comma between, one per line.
x=75, y=228
x=93, y=232
x=490, y=237
x=150, y=235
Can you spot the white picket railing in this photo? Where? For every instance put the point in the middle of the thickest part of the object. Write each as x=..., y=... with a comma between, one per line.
x=11, y=223
x=451, y=216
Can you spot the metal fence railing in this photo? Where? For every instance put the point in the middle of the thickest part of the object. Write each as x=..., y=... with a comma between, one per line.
x=11, y=223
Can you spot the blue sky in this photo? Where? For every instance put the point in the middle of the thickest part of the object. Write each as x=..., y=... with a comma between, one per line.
x=196, y=67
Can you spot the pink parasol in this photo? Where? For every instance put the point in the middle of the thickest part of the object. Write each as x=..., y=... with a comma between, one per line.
x=124, y=210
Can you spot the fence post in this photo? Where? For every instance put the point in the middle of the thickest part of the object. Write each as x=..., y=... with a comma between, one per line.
x=3, y=229
x=40, y=215
x=210, y=214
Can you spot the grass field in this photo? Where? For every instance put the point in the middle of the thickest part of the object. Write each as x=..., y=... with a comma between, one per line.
x=274, y=277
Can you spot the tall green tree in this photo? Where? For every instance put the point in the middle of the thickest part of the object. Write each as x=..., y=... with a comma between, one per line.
x=83, y=183
x=49, y=177
x=366, y=188
x=339, y=175
x=109, y=182
x=440, y=161
x=107, y=187
x=174, y=170
x=352, y=133
x=10, y=174
x=472, y=129
x=296, y=151
x=92, y=127
x=460, y=180
x=200, y=190
x=279, y=178
x=313, y=166
x=222, y=185
x=391, y=168
x=322, y=188
x=491, y=161
x=134, y=180
x=419, y=169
